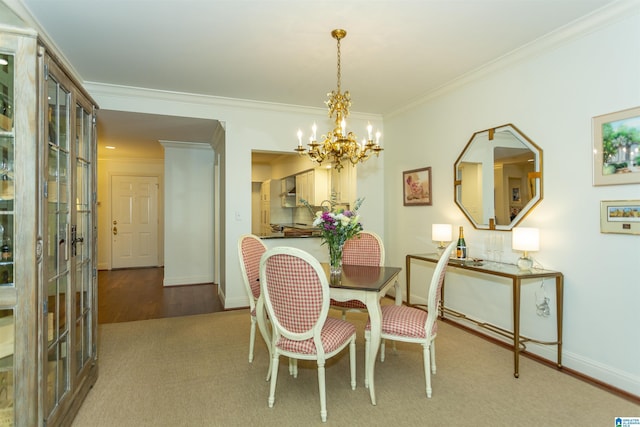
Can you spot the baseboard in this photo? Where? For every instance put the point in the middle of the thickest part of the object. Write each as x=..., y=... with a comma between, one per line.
x=233, y=303
x=187, y=280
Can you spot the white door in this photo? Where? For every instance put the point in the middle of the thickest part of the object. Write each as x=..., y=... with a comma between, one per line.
x=134, y=221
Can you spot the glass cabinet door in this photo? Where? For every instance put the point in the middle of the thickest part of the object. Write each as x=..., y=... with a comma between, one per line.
x=69, y=276
x=82, y=238
x=7, y=192
x=57, y=264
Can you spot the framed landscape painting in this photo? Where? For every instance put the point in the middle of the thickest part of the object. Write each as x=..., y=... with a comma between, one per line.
x=616, y=148
x=416, y=187
x=620, y=216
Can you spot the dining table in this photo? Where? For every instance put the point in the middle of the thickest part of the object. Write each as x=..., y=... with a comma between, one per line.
x=367, y=284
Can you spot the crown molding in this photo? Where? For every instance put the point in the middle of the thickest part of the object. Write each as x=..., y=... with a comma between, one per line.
x=185, y=144
x=104, y=92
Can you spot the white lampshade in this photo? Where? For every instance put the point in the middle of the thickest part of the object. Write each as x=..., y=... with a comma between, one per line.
x=525, y=239
x=441, y=232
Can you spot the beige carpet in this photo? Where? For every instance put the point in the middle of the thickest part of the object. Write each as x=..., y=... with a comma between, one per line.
x=193, y=371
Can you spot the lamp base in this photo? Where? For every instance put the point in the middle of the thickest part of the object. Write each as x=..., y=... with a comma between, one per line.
x=440, y=249
x=525, y=263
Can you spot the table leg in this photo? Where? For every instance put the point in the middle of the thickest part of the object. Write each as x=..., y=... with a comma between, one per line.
x=516, y=327
x=398, y=299
x=408, y=270
x=375, y=316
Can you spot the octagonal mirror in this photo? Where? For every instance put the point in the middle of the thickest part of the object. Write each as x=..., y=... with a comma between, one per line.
x=498, y=178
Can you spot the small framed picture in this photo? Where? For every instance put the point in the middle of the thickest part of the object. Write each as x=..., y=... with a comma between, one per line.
x=616, y=148
x=416, y=187
x=620, y=216
x=515, y=194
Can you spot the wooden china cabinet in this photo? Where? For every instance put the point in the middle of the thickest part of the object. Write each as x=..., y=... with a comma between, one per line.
x=48, y=318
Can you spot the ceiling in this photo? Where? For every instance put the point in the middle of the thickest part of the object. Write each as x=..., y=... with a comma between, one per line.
x=396, y=51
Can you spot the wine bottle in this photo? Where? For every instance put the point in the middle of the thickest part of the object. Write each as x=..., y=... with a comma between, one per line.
x=5, y=250
x=461, y=246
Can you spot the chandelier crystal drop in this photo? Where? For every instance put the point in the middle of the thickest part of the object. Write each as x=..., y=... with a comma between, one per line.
x=338, y=145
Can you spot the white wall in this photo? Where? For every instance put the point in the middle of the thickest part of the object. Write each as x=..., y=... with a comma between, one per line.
x=188, y=254
x=550, y=91
x=249, y=126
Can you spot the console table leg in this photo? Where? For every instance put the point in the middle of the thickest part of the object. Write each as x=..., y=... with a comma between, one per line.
x=559, y=305
x=516, y=327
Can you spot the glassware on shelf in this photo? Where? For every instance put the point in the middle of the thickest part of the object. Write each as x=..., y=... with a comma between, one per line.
x=493, y=246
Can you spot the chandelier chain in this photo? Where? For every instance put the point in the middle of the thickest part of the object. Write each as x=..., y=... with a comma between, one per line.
x=339, y=66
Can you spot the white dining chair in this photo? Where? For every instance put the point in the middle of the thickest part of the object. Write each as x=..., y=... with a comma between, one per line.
x=295, y=292
x=415, y=325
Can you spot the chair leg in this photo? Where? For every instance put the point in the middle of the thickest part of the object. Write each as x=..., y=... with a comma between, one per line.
x=344, y=314
x=322, y=390
x=382, y=347
x=293, y=367
x=274, y=378
x=427, y=371
x=252, y=338
x=352, y=360
x=432, y=350
x=367, y=344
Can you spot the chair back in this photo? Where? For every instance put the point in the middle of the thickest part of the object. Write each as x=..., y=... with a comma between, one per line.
x=435, y=289
x=366, y=248
x=296, y=294
x=250, y=250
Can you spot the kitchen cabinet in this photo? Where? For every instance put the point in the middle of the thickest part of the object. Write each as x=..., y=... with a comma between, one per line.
x=288, y=195
x=265, y=207
x=48, y=280
x=312, y=186
x=343, y=185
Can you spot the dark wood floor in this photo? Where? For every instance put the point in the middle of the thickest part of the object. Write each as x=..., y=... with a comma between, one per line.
x=138, y=294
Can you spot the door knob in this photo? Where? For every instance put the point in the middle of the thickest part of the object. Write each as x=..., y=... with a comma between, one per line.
x=115, y=231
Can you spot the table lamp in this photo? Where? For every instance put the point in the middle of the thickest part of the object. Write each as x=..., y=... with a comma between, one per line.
x=441, y=233
x=525, y=239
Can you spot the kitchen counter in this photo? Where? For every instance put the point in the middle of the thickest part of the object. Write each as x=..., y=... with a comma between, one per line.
x=287, y=231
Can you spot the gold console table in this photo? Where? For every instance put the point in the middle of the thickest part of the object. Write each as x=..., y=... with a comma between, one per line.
x=509, y=271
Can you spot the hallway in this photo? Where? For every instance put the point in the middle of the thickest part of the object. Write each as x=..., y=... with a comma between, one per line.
x=137, y=294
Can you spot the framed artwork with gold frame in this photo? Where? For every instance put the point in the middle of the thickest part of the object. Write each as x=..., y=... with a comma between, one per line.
x=416, y=187
x=616, y=148
x=620, y=216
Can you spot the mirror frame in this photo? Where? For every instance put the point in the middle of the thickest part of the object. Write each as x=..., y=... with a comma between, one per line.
x=534, y=178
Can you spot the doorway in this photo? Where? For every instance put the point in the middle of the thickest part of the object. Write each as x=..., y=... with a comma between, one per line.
x=134, y=221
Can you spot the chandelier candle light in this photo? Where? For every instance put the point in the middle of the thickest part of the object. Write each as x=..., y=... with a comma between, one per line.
x=339, y=145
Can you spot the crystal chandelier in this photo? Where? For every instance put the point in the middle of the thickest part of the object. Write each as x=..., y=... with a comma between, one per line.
x=338, y=145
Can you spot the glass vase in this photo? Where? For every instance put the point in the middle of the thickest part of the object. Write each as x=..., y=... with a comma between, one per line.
x=335, y=259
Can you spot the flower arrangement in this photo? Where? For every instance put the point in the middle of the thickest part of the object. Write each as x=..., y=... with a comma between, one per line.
x=336, y=227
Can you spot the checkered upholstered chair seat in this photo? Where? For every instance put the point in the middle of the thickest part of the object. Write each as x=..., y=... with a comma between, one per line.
x=403, y=321
x=414, y=325
x=333, y=335
x=295, y=291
